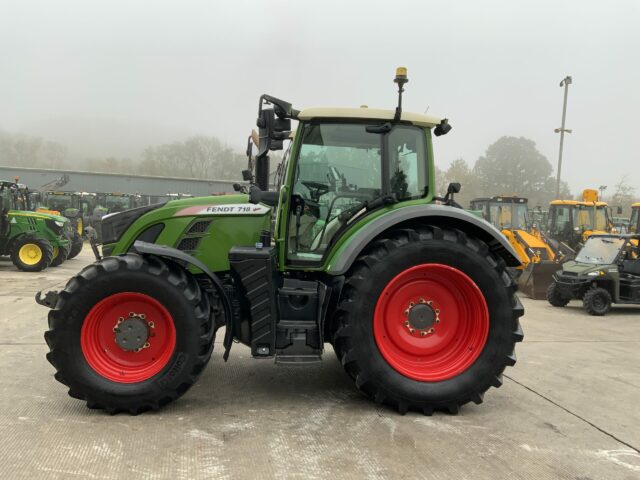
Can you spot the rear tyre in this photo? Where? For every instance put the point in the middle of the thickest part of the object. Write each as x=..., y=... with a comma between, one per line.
x=130, y=333
x=555, y=298
x=76, y=245
x=428, y=320
x=31, y=254
x=597, y=301
x=60, y=254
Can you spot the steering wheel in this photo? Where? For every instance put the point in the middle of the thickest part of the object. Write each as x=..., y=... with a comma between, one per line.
x=316, y=189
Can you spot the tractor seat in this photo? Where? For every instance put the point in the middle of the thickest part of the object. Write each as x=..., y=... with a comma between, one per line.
x=632, y=267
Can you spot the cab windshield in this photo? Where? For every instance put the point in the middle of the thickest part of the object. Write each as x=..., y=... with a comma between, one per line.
x=600, y=250
x=117, y=203
x=590, y=218
x=340, y=169
x=59, y=202
x=512, y=216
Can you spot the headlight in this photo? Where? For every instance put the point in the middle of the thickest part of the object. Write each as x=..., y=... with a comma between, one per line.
x=59, y=223
x=595, y=274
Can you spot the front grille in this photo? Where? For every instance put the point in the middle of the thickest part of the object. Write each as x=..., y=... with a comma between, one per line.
x=199, y=227
x=188, y=244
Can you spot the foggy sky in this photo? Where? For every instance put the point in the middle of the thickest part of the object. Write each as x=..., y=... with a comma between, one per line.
x=113, y=75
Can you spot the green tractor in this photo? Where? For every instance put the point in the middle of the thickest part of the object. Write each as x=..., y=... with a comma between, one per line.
x=411, y=291
x=33, y=240
x=76, y=206
x=605, y=271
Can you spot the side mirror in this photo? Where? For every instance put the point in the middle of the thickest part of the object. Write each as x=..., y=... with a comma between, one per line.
x=442, y=128
x=454, y=187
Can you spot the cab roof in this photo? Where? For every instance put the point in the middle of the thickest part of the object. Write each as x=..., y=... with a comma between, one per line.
x=578, y=202
x=366, y=113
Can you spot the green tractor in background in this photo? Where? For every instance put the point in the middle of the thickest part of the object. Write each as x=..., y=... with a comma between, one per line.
x=112, y=202
x=75, y=206
x=33, y=240
x=352, y=249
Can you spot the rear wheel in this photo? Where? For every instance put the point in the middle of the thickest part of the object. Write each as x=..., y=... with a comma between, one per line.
x=130, y=333
x=597, y=301
x=31, y=254
x=428, y=320
x=60, y=254
x=555, y=298
x=76, y=245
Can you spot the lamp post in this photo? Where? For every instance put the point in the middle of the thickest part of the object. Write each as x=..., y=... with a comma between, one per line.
x=566, y=81
x=602, y=188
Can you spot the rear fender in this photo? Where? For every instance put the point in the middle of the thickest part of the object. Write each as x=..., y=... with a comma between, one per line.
x=430, y=214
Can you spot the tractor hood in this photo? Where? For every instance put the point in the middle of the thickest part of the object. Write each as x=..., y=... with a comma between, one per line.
x=40, y=215
x=217, y=205
x=204, y=227
x=578, y=268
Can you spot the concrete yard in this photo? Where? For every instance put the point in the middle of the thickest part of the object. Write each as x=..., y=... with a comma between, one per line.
x=569, y=409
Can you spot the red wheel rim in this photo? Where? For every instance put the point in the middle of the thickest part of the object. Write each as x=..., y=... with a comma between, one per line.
x=458, y=331
x=107, y=358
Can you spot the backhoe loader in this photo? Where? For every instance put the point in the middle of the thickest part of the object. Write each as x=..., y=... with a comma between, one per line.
x=538, y=260
x=571, y=222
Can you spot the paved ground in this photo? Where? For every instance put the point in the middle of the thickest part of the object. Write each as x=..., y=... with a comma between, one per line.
x=569, y=409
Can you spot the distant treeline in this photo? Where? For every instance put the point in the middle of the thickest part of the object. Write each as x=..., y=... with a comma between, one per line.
x=196, y=157
x=510, y=166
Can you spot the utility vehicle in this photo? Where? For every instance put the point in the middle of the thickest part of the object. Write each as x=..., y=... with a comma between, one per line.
x=34, y=240
x=411, y=292
x=605, y=271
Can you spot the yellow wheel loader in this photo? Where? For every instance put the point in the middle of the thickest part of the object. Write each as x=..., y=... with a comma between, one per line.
x=539, y=261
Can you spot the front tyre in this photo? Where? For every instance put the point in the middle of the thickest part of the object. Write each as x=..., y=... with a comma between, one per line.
x=428, y=320
x=555, y=298
x=60, y=254
x=31, y=254
x=597, y=301
x=76, y=245
x=130, y=333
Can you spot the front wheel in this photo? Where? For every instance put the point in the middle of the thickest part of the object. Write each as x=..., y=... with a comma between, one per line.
x=60, y=254
x=597, y=301
x=31, y=254
x=76, y=245
x=428, y=320
x=555, y=298
x=130, y=333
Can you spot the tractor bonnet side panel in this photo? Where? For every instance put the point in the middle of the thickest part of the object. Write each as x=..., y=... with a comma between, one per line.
x=204, y=227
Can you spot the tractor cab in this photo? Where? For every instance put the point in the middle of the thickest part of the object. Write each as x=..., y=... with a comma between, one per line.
x=76, y=206
x=505, y=213
x=114, y=202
